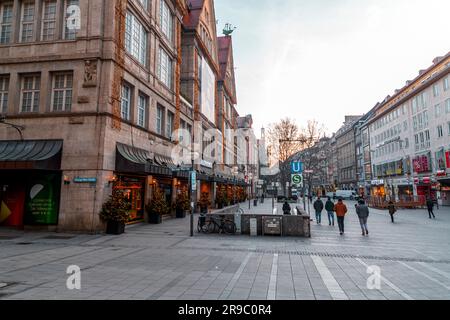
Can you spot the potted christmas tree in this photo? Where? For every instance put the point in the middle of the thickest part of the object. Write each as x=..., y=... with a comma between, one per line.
x=221, y=198
x=157, y=207
x=204, y=203
x=182, y=205
x=116, y=213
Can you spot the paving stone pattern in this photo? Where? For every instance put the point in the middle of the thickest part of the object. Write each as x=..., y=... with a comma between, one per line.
x=161, y=262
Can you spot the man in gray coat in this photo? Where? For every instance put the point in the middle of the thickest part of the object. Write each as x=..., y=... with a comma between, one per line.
x=362, y=210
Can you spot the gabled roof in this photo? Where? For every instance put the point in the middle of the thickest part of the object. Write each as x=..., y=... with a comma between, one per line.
x=192, y=19
x=224, y=54
x=226, y=62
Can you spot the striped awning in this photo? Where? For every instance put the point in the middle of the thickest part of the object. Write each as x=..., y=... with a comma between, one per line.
x=134, y=160
x=31, y=154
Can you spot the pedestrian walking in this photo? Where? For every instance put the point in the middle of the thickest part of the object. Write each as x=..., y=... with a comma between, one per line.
x=341, y=210
x=430, y=207
x=363, y=214
x=392, y=210
x=318, y=207
x=329, y=207
x=287, y=208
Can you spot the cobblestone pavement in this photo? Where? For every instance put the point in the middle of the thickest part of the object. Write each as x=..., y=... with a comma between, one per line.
x=163, y=262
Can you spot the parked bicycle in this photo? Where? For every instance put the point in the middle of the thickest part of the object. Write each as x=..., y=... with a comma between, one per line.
x=216, y=225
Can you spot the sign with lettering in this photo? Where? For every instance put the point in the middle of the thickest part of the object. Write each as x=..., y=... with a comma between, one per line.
x=297, y=167
x=85, y=180
x=297, y=180
x=447, y=158
x=193, y=180
x=272, y=226
x=42, y=200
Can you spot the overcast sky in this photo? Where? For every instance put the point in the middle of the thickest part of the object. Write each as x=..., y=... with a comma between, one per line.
x=324, y=59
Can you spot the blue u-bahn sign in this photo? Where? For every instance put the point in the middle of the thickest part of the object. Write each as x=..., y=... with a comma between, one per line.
x=297, y=167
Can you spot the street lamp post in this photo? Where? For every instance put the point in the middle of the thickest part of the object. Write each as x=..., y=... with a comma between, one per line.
x=191, y=182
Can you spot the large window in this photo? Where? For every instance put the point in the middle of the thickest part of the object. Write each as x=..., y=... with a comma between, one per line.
x=159, y=119
x=6, y=13
x=27, y=21
x=142, y=110
x=446, y=84
x=144, y=3
x=72, y=11
x=126, y=102
x=170, y=124
x=62, y=92
x=440, y=130
x=136, y=39
x=166, y=20
x=165, y=68
x=436, y=90
x=447, y=106
x=30, y=94
x=48, y=20
x=4, y=85
x=437, y=110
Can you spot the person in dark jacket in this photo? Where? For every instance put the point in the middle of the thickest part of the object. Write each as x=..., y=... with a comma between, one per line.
x=363, y=214
x=430, y=207
x=318, y=207
x=329, y=207
x=287, y=208
x=392, y=210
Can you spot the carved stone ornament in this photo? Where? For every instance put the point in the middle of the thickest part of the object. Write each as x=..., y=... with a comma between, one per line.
x=90, y=73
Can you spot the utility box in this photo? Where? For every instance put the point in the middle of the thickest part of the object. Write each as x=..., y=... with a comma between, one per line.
x=273, y=226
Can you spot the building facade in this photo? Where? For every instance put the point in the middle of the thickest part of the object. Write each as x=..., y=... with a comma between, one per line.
x=346, y=154
x=96, y=103
x=410, y=136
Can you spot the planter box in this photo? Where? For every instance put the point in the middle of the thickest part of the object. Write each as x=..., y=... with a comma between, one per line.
x=181, y=214
x=155, y=219
x=115, y=228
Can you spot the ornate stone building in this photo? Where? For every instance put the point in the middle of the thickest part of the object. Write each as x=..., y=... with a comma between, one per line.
x=91, y=96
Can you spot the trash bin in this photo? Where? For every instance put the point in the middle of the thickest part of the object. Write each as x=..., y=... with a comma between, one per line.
x=255, y=202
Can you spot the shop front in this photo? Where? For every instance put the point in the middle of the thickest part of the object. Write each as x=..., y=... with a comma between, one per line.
x=137, y=173
x=445, y=191
x=378, y=189
x=30, y=182
x=133, y=188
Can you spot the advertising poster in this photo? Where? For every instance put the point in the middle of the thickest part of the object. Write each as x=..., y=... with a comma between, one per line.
x=42, y=200
x=11, y=205
x=208, y=91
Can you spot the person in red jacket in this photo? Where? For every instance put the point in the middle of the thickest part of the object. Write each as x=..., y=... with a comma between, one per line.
x=341, y=210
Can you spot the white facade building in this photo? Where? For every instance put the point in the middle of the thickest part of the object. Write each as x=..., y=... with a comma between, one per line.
x=410, y=138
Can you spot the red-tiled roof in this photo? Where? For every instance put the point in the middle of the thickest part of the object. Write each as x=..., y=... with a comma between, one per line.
x=224, y=52
x=192, y=19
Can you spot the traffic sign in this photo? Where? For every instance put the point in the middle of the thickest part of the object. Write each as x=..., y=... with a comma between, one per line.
x=297, y=180
x=193, y=180
x=297, y=167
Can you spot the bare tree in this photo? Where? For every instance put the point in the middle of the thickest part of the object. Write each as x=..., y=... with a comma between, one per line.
x=283, y=139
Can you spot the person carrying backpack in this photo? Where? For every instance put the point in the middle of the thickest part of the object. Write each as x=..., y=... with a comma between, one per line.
x=363, y=214
x=318, y=207
x=329, y=207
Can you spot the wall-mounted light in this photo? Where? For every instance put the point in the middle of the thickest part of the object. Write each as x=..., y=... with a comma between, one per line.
x=66, y=180
x=112, y=180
